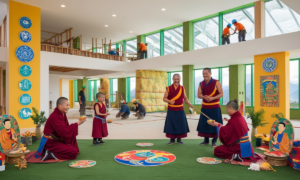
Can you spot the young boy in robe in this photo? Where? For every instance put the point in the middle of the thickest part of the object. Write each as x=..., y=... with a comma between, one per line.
x=99, y=122
x=234, y=136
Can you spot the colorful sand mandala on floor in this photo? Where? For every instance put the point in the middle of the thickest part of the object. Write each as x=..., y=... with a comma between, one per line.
x=208, y=160
x=82, y=164
x=144, y=144
x=145, y=158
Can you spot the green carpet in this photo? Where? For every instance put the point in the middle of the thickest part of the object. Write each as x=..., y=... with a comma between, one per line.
x=183, y=168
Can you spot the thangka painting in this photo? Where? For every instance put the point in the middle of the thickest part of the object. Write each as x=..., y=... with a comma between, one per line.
x=282, y=135
x=9, y=133
x=145, y=158
x=269, y=91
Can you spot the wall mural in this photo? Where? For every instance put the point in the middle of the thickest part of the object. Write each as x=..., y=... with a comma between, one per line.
x=269, y=91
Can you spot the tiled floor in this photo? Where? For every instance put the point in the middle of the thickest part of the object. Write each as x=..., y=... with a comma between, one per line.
x=149, y=128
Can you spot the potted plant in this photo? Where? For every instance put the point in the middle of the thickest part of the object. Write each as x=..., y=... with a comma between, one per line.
x=258, y=119
x=39, y=119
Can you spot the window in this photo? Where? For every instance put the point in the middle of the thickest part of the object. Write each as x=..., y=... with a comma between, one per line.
x=113, y=47
x=244, y=16
x=198, y=79
x=114, y=89
x=280, y=19
x=75, y=86
x=131, y=46
x=294, y=84
x=249, y=85
x=132, y=86
x=206, y=33
x=153, y=47
x=171, y=80
x=173, y=40
x=225, y=85
x=94, y=86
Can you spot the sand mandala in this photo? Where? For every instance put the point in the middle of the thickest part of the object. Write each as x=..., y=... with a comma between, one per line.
x=208, y=160
x=145, y=158
x=82, y=164
x=144, y=144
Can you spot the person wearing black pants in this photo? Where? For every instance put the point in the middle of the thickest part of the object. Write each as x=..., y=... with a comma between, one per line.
x=225, y=35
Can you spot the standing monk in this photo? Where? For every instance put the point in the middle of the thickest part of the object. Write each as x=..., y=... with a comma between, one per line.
x=210, y=90
x=59, y=139
x=176, y=125
x=234, y=136
x=82, y=100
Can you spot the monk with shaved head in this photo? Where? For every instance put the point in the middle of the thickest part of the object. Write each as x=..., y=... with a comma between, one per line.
x=59, y=139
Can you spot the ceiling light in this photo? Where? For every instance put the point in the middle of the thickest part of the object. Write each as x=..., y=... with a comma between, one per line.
x=130, y=31
x=106, y=25
x=163, y=9
x=114, y=15
x=62, y=5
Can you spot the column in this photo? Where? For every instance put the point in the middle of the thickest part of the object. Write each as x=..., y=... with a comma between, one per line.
x=23, y=84
x=122, y=87
x=188, y=33
x=188, y=83
x=281, y=78
x=259, y=22
x=237, y=83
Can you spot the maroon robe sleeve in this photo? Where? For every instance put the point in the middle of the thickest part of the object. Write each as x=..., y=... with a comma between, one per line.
x=234, y=129
x=67, y=132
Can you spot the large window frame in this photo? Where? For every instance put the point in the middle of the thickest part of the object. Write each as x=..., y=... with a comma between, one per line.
x=92, y=95
x=111, y=90
x=75, y=87
x=128, y=85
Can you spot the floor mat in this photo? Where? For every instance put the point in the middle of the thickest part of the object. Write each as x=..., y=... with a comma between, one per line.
x=30, y=158
x=260, y=158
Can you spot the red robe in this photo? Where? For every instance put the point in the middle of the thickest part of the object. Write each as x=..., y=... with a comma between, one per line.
x=230, y=134
x=99, y=129
x=65, y=147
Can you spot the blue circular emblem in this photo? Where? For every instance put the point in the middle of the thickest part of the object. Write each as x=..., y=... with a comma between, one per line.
x=269, y=64
x=25, y=85
x=25, y=36
x=25, y=22
x=25, y=70
x=25, y=113
x=25, y=99
x=25, y=53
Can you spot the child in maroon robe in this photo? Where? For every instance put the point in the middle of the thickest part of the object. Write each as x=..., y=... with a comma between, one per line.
x=99, y=122
x=234, y=136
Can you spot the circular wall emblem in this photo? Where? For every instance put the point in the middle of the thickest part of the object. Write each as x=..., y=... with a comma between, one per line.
x=25, y=36
x=25, y=53
x=25, y=70
x=25, y=113
x=269, y=64
x=25, y=85
x=25, y=22
x=25, y=99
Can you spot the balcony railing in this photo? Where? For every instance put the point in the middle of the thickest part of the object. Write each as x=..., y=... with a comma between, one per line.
x=66, y=50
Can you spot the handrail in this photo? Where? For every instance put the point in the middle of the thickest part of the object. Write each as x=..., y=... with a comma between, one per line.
x=76, y=52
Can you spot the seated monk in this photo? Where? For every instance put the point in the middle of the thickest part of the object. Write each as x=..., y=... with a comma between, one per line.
x=59, y=139
x=234, y=136
x=281, y=140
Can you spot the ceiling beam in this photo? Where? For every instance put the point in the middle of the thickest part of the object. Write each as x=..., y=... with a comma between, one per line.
x=248, y=15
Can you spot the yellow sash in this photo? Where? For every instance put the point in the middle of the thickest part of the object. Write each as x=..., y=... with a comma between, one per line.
x=176, y=97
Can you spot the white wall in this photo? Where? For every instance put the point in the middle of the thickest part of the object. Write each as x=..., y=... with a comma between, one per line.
x=65, y=88
x=53, y=89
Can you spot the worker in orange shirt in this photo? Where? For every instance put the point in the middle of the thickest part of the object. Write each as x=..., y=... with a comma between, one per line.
x=146, y=46
x=226, y=34
x=142, y=50
x=239, y=27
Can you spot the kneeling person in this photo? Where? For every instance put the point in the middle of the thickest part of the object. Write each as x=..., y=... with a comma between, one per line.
x=59, y=139
x=140, y=110
x=124, y=112
x=234, y=136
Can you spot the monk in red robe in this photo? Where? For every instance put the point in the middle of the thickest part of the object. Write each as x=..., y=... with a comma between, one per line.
x=176, y=126
x=234, y=136
x=59, y=139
